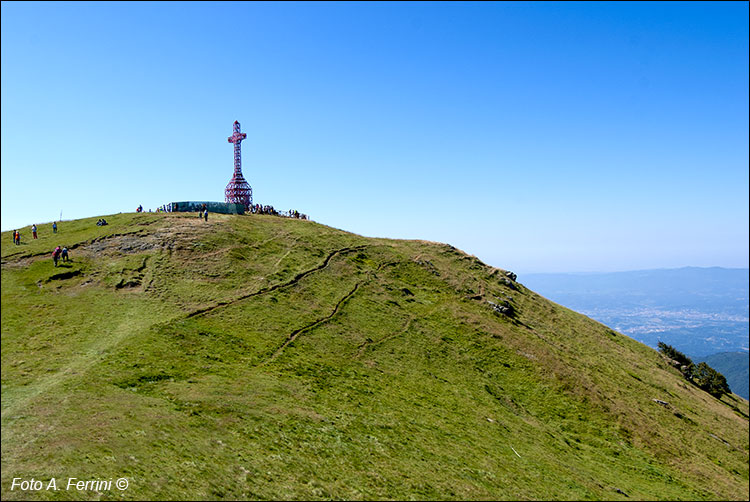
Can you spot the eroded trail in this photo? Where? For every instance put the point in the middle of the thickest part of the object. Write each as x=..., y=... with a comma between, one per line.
x=293, y=336
x=268, y=289
x=309, y=327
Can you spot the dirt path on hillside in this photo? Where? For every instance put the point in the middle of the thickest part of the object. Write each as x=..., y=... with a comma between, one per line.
x=293, y=336
x=309, y=327
x=268, y=289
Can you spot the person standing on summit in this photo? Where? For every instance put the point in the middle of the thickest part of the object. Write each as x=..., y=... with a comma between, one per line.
x=33, y=230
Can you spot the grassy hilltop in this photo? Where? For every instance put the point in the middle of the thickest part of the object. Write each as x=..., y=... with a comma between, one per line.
x=256, y=357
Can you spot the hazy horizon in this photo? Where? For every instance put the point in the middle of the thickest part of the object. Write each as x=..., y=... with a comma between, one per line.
x=595, y=272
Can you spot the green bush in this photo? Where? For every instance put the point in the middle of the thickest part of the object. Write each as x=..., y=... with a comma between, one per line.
x=702, y=375
x=710, y=380
x=686, y=365
x=675, y=354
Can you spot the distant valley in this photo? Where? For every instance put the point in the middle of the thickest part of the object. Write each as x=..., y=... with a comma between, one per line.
x=700, y=311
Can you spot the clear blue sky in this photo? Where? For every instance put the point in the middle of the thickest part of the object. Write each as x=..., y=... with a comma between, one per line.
x=540, y=137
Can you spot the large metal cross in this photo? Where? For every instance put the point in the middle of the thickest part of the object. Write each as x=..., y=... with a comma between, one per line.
x=238, y=190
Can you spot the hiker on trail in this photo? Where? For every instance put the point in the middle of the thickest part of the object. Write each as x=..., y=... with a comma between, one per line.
x=14, y=236
x=18, y=237
x=205, y=214
x=64, y=254
x=33, y=230
x=54, y=227
x=56, y=254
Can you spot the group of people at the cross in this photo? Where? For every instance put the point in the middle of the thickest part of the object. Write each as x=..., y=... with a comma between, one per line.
x=292, y=213
x=164, y=208
x=254, y=209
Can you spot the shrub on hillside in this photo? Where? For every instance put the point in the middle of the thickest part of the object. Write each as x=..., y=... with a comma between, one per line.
x=702, y=375
x=684, y=363
x=710, y=380
x=675, y=354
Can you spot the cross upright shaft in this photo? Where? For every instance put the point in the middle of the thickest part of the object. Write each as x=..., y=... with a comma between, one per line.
x=237, y=138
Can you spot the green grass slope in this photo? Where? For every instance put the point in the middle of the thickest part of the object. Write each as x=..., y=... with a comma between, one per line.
x=255, y=357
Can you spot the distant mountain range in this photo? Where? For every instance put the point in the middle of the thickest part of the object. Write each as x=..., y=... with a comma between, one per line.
x=699, y=311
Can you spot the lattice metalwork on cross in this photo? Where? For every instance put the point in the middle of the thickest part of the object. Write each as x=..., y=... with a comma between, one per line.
x=238, y=190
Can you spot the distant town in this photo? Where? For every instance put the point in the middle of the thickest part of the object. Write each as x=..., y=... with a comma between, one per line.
x=697, y=333
x=701, y=311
